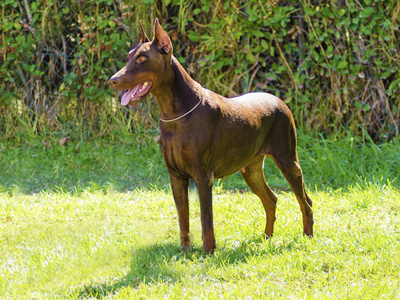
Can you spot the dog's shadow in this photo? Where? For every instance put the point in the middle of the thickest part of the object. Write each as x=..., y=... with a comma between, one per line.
x=166, y=263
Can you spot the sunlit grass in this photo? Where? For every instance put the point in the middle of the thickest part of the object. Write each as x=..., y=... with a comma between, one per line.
x=99, y=221
x=127, y=244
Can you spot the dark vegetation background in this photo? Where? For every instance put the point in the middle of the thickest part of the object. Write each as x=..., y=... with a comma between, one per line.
x=335, y=63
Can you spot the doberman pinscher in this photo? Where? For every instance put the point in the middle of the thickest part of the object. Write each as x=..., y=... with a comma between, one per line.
x=206, y=136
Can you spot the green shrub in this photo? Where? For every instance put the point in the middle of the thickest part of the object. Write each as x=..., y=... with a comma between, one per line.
x=335, y=65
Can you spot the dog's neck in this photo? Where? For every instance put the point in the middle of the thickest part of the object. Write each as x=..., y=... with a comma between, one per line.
x=180, y=94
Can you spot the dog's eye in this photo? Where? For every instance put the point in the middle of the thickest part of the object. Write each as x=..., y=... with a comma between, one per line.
x=141, y=59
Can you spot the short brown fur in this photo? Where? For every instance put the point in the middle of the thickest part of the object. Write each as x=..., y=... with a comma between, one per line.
x=219, y=137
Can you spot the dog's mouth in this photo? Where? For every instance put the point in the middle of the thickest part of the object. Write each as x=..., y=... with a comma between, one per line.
x=133, y=96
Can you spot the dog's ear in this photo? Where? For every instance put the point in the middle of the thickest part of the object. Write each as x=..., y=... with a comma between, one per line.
x=144, y=38
x=161, y=39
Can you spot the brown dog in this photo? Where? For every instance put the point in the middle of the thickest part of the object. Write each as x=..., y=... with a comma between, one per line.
x=206, y=136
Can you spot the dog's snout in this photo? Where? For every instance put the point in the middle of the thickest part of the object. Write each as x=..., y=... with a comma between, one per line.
x=114, y=81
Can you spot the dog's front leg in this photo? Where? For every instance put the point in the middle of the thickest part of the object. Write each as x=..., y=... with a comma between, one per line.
x=204, y=187
x=180, y=192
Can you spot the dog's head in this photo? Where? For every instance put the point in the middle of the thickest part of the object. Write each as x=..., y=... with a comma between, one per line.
x=147, y=69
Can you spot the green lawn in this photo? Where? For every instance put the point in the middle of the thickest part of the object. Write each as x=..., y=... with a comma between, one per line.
x=97, y=219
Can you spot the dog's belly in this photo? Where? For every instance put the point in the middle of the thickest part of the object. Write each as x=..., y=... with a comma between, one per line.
x=190, y=161
x=235, y=146
x=227, y=170
x=234, y=159
x=222, y=154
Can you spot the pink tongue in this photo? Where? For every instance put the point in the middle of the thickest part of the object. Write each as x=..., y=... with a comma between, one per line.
x=127, y=97
x=135, y=93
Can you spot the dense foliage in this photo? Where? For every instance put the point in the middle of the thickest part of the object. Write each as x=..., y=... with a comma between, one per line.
x=336, y=63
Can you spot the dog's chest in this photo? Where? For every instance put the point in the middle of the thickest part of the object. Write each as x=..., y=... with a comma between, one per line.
x=180, y=153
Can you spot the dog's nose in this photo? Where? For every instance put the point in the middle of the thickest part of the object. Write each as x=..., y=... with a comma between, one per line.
x=114, y=81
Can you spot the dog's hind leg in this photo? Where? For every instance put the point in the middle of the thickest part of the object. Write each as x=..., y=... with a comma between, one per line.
x=285, y=157
x=253, y=174
x=292, y=171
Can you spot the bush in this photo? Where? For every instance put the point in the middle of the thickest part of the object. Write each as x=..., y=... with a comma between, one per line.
x=336, y=66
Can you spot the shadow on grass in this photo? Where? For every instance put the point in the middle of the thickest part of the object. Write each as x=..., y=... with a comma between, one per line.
x=126, y=166
x=167, y=264
x=148, y=264
x=151, y=264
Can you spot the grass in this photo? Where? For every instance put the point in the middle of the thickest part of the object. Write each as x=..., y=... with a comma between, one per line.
x=94, y=221
x=78, y=166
